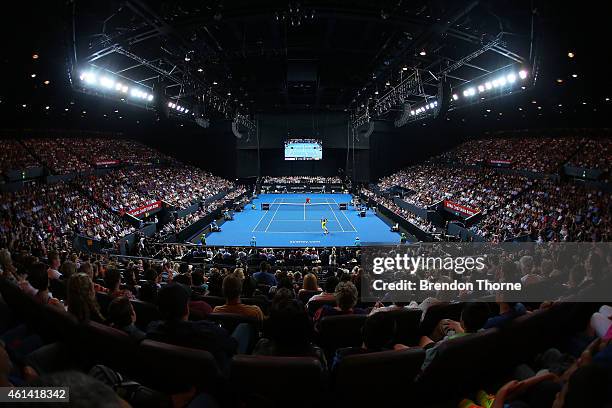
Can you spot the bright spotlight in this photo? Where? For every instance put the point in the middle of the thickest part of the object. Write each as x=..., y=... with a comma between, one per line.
x=107, y=82
x=481, y=88
x=431, y=105
x=488, y=85
x=186, y=110
x=150, y=98
x=511, y=78
x=89, y=78
x=118, y=86
x=412, y=113
x=169, y=104
x=124, y=89
x=455, y=97
x=522, y=74
x=502, y=81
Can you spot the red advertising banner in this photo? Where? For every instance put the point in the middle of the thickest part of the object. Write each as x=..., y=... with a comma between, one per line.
x=136, y=212
x=453, y=206
x=102, y=163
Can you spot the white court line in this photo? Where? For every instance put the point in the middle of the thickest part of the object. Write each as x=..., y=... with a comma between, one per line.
x=262, y=217
x=273, y=215
x=304, y=212
x=303, y=232
x=335, y=216
x=354, y=229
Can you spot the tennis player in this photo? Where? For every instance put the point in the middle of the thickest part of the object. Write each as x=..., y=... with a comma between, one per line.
x=324, y=226
x=307, y=200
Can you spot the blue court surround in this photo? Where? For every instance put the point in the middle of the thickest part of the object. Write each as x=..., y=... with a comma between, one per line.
x=294, y=224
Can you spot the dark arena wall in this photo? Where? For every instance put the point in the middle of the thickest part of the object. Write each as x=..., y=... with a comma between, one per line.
x=263, y=153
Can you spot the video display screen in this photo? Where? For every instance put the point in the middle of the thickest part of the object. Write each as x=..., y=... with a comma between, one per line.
x=303, y=149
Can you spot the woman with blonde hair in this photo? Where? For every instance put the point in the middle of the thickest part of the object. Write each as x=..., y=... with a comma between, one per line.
x=81, y=299
x=310, y=283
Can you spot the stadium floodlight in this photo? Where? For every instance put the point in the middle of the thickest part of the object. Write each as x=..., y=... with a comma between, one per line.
x=522, y=74
x=502, y=81
x=431, y=105
x=412, y=113
x=169, y=104
x=481, y=88
x=511, y=78
x=107, y=82
x=488, y=85
x=150, y=97
x=124, y=89
x=455, y=97
x=186, y=110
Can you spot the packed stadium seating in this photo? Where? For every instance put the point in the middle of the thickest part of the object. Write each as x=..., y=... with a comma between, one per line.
x=512, y=204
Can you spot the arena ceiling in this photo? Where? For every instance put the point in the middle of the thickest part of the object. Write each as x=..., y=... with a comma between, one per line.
x=254, y=56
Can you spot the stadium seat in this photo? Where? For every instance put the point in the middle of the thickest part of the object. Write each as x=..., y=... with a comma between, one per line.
x=213, y=300
x=305, y=295
x=182, y=367
x=437, y=312
x=340, y=331
x=58, y=325
x=110, y=347
x=103, y=300
x=393, y=370
x=406, y=325
x=315, y=305
x=145, y=313
x=463, y=364
x=266, y=381
x=263, y=303
x=58, y=288
x=229, y=321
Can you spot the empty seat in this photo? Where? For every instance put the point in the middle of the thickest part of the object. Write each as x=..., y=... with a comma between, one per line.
x=340, y=331
x=271, y=381
x=169, y=368
x=392, y=370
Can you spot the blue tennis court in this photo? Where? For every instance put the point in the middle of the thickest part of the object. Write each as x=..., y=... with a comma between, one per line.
x=289, y=221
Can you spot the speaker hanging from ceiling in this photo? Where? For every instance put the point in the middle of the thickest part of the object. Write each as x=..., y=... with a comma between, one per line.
x=444, y=97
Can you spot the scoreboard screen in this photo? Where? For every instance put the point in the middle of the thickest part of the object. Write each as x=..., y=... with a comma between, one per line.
x=303, y=149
